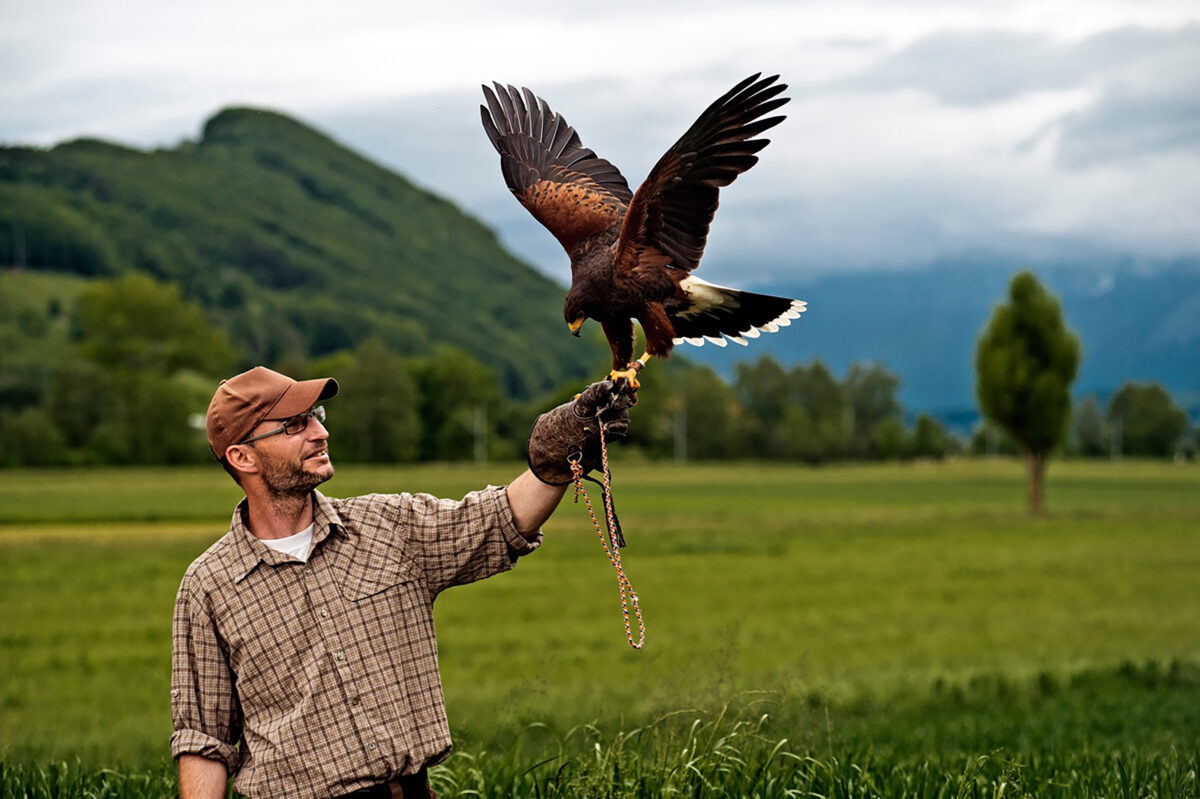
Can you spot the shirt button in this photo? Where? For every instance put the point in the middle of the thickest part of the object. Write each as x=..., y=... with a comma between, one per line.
x=371, y=747
x=340, y=656
x=355, y=701
x=324, y=614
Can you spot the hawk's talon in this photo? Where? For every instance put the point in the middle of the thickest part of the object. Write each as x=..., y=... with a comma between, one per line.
x=628, y=375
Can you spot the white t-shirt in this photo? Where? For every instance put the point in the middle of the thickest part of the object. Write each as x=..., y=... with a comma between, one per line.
x=295, y=545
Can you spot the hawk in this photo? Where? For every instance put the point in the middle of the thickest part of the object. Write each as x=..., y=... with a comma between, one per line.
x=633, y=254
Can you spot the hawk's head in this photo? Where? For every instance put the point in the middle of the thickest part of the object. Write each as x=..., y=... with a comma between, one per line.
x=573, y=312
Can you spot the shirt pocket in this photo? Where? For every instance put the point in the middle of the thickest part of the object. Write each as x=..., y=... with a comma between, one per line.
x=374, y=570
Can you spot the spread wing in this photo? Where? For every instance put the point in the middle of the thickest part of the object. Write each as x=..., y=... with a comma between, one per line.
x=669, y=216
x=566, y=186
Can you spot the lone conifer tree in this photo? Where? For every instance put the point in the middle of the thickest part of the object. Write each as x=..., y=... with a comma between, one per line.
x=1025, y=362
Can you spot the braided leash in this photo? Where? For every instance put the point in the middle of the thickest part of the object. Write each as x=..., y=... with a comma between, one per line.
x=628, y=596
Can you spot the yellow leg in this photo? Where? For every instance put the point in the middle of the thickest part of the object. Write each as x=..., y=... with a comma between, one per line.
x=630, y=374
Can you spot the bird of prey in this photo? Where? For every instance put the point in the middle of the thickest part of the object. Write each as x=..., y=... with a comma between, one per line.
x=632, y=254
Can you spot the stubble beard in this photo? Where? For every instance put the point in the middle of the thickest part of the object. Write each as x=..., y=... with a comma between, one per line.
x=288, y=481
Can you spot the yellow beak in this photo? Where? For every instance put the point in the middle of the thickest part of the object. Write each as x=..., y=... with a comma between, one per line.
x=578, y=323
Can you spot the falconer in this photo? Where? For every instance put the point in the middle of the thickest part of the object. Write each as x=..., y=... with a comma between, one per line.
x=304, y=659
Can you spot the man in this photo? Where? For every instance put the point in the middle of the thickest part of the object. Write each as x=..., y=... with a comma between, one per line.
x=304, y=657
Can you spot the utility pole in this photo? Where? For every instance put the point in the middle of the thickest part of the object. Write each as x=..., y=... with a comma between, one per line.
x=18, y=245
x=481, y=436
x=681, y=432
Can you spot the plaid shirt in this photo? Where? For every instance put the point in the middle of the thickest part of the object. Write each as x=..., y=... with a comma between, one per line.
x=318, y=678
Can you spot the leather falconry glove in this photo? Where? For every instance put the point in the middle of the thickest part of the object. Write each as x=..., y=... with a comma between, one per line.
x=572, y=430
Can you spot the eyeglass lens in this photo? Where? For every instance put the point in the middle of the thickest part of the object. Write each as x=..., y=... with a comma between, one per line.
x=297, y=424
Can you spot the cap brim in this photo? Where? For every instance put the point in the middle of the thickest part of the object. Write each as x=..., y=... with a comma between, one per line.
x=302, y=396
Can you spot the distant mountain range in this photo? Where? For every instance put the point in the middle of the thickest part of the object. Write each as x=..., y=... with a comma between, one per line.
x=1136, y=322
x=298, y=245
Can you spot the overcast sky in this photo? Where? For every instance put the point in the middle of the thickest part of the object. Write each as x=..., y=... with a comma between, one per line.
x=917, y=131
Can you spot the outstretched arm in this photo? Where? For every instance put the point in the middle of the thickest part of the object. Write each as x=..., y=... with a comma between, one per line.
x=532, y=502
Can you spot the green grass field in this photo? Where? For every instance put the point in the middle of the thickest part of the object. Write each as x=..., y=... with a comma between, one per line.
x=906, y=628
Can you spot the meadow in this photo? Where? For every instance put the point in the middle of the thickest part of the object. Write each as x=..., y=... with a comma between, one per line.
x=899, y=629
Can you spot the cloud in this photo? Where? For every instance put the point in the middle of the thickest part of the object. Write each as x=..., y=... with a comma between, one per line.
x=1150, y=107
x=1125, y=124
x=969, y=68
x=1144, y=95
x=972, y=68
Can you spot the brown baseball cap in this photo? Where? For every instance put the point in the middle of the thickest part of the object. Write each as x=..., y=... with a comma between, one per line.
x=242, y=402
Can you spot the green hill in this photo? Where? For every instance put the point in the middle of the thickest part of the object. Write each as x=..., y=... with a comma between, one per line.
x=295, y=244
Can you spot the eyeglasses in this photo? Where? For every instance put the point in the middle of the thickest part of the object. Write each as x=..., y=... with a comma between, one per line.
x=297, y=424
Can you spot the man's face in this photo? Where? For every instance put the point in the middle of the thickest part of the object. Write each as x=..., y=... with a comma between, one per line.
x=294, y=464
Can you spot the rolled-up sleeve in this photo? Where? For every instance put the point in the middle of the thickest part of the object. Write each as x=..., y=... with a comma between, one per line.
x=204, y=705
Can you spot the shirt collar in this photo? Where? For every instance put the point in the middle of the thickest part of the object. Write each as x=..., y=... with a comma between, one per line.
x=326, y=520
x=251, y=551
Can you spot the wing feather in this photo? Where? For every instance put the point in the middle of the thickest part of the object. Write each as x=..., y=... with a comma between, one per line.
x=566, y=186
x=671, y=212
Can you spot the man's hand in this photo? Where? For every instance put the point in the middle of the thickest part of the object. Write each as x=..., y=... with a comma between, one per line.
x=572, y=430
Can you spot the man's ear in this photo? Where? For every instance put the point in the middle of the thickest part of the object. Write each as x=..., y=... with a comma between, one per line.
x=243, y=458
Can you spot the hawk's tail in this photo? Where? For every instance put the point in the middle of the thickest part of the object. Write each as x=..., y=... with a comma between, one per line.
x=717, y=314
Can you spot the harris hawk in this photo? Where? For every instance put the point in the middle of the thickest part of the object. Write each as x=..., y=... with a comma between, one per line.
x=632, y=254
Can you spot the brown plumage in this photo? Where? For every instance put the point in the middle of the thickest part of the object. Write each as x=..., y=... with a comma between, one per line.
x=632, y=254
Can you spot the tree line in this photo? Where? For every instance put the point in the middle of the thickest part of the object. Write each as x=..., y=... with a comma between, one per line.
x=1140, y=420
x=140, y=364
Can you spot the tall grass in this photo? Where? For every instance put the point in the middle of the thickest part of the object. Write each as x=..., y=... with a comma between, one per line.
x=737, y=751
x=62, y=780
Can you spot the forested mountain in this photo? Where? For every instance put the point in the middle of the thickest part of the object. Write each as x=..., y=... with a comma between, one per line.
x=296, y=246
